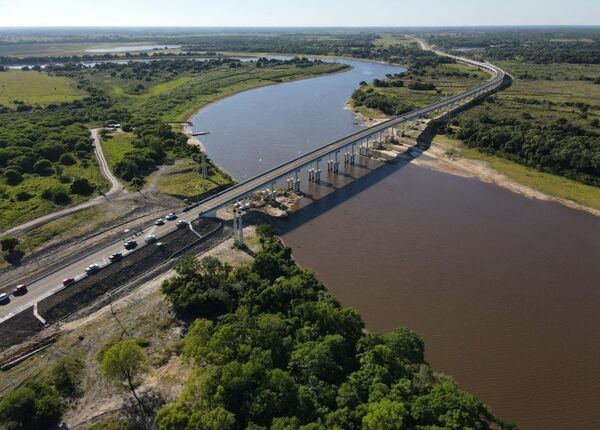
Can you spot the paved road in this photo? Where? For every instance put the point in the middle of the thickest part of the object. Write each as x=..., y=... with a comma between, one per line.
x=115, y=189
x=52, y=283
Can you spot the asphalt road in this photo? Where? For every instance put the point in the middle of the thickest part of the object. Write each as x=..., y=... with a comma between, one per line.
x=53, y=282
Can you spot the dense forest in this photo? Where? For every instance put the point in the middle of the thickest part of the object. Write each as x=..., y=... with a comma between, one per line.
x=558, y=146
x=274, y=350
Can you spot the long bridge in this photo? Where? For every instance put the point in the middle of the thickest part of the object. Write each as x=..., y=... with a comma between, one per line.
x=349, y=144
x=355, y=145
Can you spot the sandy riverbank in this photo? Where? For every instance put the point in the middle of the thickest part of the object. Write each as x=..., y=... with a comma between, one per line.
x=444, y=156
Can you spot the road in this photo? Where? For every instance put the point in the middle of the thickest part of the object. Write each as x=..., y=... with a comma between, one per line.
x=115, y=189
x=53, y=282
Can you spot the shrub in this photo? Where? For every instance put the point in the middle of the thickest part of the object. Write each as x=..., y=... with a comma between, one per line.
x=56, y=194
x=82, y=187
x=23, y=196
x=65, y=375
x=33, y=406
x=67, y=159
x=13, y=177
x=43, y=167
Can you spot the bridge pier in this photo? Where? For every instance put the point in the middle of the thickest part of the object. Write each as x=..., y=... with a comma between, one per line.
x=204, y=167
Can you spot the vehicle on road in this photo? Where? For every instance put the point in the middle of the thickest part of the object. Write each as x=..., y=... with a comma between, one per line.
x=150, y=238
x=181, y=223
x=68, y=281
x=171, y=217
x=3, y=298
x=92, y=268
x=159, y=221
x=130, y=244
x=117, y=256
x=187, y=208
x=19, y=290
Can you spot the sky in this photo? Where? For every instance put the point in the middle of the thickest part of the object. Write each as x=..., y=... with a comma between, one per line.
x=294, y=13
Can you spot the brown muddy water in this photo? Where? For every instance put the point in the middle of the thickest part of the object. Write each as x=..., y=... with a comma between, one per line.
x=504, y=290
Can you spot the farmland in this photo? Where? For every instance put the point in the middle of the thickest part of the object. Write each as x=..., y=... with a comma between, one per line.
x=36, y=88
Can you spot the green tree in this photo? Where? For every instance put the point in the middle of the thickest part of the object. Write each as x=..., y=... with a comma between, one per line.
x=385, y=414
x=122, y=364
x=82, y=187
x=65, y=375
x=13, y=177
x=43, y=167
x=33, y=406
x=9, y=243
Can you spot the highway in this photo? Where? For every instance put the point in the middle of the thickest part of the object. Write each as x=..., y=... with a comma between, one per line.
x=52, y=283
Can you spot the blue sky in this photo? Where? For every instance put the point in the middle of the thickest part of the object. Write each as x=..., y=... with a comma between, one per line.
x=297, y=12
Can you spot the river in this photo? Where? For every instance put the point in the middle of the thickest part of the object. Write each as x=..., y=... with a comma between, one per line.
x=503, y=289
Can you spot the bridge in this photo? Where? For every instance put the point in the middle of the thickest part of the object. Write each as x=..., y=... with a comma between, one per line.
x=362, y=140
x=353, y=146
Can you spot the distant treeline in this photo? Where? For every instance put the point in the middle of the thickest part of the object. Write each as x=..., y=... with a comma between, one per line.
x=543, y=46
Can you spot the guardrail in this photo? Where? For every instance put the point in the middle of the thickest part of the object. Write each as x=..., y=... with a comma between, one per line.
x=254, y=182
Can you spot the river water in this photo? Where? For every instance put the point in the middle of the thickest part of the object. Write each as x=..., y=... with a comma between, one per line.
x=504, y=290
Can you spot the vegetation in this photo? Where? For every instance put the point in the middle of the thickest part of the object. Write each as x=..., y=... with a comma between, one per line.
x=274, y=350
x=24, y=88
x=416, y=88
x=34, y=405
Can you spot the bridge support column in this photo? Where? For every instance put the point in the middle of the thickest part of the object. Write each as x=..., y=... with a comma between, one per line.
x=296, y=182
x=238, y=227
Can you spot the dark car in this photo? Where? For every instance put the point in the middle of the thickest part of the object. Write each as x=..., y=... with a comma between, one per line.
x=117, y=256
x=3, y=298
x=68, y=281
x=19, y=290
x=92, y=269
x=130, y=244
x=181, y=223
x=171, y=217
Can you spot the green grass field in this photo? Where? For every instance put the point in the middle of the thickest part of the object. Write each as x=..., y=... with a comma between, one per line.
x=36, y=88
x=116, y=146
x=387, y=40
x=187, y=182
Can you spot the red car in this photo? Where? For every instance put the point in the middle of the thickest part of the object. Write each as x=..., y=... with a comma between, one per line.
x=68, y=282
x=19, y=290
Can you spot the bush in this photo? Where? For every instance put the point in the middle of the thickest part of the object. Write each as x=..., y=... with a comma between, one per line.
x=82, y=187
x=33, y=406
x=56, y=194
x=23, y=196
x=43, y=167
x=67, y=159
x=65, y=375
x=13, y=177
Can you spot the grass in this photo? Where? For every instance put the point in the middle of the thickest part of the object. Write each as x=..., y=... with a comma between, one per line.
x=547, y=183
x=115, y=147
x=185, y=181
x=36, y=88
x=387, y=40
x=14, y=211
x=81, y=222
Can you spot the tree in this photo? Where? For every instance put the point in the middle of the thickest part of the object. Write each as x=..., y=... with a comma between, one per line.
x=385, y=414
x=67, y=159
x=43, y=167
x=82, y=187
x=122, y=364
x=32, y=406
x=9, y=244
x=65, y=375
x=13, y=177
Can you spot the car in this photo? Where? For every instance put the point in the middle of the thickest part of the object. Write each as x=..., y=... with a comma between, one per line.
x=68, y=281
x=92, y=268
x=187, y=208
x=171, y=217
x=117, y=256
x=130, y=244
x=159, y=221
x=3, y=298
x=181, y=223
x=19, y=290
x=150, y=238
